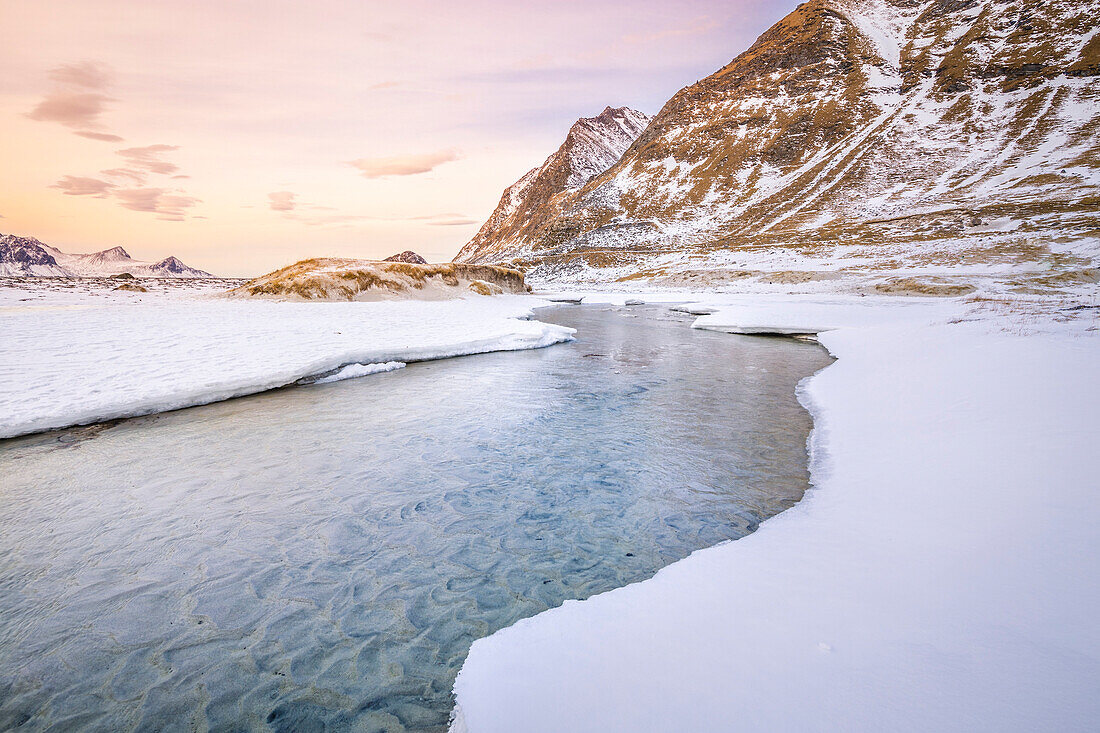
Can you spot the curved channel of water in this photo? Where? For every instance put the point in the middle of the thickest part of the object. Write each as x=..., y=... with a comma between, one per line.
x=322, y=557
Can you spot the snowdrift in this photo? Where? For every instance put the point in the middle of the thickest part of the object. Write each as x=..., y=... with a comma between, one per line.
x=942, y=574
x=73, y=361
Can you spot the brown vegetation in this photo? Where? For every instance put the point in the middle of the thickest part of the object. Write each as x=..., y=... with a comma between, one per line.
x=348, y=279
x=926, y=286
x=810, y=142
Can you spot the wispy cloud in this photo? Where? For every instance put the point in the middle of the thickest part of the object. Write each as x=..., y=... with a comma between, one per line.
x=81, y=186
x=165, y=204
x=128, y=174
x=281, y=200
x=149, y=158
x=404, y=165
x=445, y=220
x=87, y=74
x=77, y=99
x=72, y=109
x=142, y=162
x=104, y=136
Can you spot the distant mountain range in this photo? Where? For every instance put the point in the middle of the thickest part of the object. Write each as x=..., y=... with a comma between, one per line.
x=27, y=257
x=926, y=133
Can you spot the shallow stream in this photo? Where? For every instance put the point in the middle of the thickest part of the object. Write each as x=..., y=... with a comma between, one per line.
x=321, y=557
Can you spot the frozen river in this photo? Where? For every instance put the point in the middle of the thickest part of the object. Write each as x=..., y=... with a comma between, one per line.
x=322, y=557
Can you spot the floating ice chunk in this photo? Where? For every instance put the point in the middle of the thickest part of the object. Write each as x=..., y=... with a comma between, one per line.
x=352, y=371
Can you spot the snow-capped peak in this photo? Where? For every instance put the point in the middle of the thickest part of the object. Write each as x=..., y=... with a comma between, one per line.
x=26, y=256
x=114, y=253
x=592, y=145
x=909, y=131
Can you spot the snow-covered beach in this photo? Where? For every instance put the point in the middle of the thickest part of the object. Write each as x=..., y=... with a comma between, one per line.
x=325, y=554
x=778, y=397
x=74, y=358
x=942, y=574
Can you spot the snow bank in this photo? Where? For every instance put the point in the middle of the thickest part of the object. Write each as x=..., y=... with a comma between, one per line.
x=756, y=313
x=103, y=358
x=815, y=314
x=354, y=371
x=943, y=574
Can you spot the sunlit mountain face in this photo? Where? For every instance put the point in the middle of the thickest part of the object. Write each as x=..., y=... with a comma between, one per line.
x=241, y=140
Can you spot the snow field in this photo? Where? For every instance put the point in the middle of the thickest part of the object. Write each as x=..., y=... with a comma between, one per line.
x=104, y=358
x=942, y=574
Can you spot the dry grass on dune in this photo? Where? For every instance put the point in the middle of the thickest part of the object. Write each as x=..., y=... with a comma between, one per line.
x=351, y=279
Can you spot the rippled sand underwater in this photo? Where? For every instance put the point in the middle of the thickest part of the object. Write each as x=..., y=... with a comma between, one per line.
x=322, y=557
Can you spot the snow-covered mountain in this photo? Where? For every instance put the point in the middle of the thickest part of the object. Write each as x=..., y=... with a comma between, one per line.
x=592, y=145
x=407, y=256
x=853, y=133
x=27, y=257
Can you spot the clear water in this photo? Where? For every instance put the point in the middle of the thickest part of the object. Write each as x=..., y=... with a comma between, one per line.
x=322, y=557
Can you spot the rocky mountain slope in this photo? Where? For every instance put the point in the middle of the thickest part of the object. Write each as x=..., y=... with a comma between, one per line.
x=28, y=257
x=885, y=135
x=592, y=145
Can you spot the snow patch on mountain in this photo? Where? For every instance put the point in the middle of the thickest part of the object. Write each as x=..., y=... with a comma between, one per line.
x=592, y=145
x=28, y=257
x=897, y=127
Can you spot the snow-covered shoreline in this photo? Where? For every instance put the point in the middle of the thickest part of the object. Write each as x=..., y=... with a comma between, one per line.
x=72, y=359
x=943, y=573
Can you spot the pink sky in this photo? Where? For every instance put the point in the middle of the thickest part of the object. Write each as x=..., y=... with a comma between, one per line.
x=241, y=136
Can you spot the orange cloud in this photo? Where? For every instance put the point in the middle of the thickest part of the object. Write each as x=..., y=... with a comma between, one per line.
x=81, y=186
x=104, y=136
x=404, y=165
x=281, y=201
x=78, y=100
x=168, y=206
x=148, y=158
x=72, y=109
x=133, y=176
x=87, y=74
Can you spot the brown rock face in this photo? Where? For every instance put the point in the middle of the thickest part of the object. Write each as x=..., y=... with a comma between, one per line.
x=906, y=131
x=407, y=256
x=592, y=145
